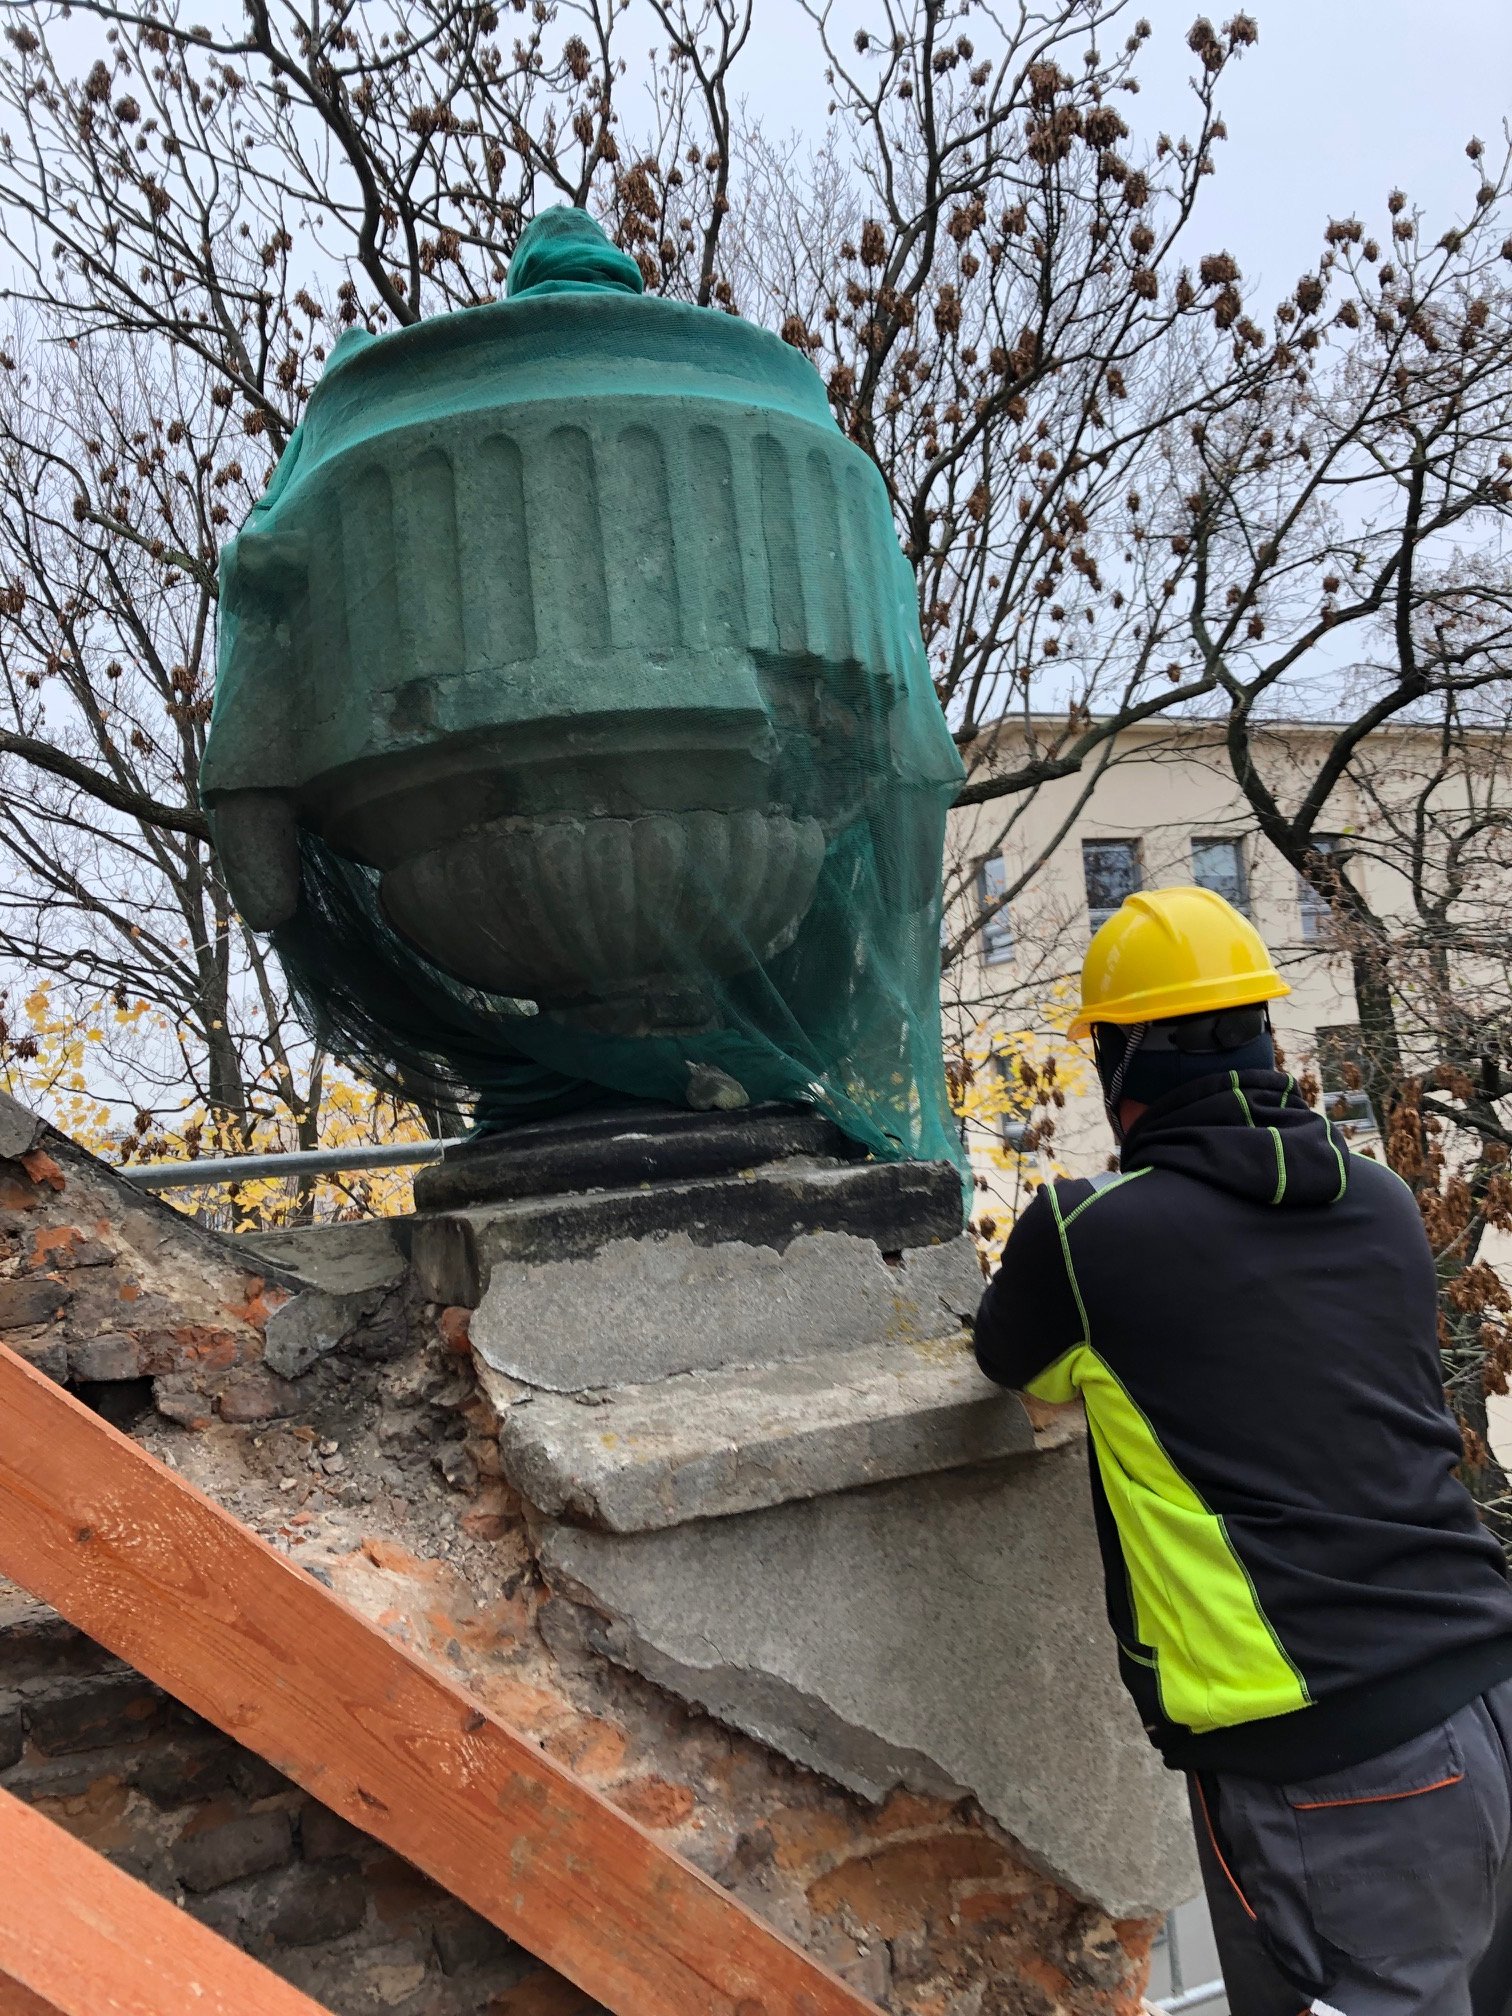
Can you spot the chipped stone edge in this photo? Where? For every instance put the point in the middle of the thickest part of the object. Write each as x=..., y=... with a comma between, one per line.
x=799, y=1726
x=728, y=1478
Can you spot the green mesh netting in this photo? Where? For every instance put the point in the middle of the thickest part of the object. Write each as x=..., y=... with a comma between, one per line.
x=573, y=734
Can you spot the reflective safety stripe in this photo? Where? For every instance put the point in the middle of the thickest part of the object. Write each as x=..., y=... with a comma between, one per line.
x=1218, y=1660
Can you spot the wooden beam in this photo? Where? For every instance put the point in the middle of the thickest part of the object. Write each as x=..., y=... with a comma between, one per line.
x=171, y=1583
x=80, y=1938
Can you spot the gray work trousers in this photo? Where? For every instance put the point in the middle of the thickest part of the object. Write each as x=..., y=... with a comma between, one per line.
x=1383, y=1890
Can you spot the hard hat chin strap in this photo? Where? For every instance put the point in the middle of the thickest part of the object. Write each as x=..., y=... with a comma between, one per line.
x=1148, y=1060
x=1113, y=1079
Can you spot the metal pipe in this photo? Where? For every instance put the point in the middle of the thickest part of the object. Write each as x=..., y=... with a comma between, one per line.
x=1209, y=1991
x=311, y=1162
x=296, y=1162
x=1173, y=1951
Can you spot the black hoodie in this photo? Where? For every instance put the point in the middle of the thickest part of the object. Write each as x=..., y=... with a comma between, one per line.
x=1297, y=1579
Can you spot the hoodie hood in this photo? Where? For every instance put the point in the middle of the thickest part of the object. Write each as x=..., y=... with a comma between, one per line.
x=1247, y=1132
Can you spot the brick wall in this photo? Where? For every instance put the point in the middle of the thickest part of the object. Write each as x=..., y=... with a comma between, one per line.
x=109, y=1289
x=204, y=1822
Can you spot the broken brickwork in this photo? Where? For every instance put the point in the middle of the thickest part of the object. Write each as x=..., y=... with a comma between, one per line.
x=378, y=1470
x=115, y=1293
x=203, y=1821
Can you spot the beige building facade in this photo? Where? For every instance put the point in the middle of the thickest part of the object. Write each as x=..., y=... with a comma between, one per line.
x=1164, y=810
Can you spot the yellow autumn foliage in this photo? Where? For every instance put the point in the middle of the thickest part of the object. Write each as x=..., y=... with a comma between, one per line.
x=1001, y=1077
x=46, y=1057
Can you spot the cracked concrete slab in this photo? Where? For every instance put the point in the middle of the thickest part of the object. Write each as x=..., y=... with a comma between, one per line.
x=709, y=1444
x=943, y=1632
x=647, y=1309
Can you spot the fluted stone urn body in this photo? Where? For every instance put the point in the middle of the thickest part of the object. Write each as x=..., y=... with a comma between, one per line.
x=573, y=732
x=555, y=615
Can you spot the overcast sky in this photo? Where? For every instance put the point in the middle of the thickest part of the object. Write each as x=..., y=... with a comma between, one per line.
x=1340, y=101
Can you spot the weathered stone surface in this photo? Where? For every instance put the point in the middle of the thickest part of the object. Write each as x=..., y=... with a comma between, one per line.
x=599, y=1151
x=714, y=1443
x=316, y=1905
x=35, y=1641
x=303, y=1330
x=945, y=1633
x=205, y=1858
x=178, y=1397
x=47, y=1349
x=254, y=1777
x=27, y=1301
x=463, y=1940
x=257, y=1395
x=87, y=1714
x=324, y=1834
x=341, y=1259
x=178, y=1770
x=646, y=1309
x=19, y=1130
x=894, y=1205
x=12, y=1736
x=116, y=1355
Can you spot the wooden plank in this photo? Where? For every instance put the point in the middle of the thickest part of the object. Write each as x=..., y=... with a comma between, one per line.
x=80, y=1938
x=169, y=1581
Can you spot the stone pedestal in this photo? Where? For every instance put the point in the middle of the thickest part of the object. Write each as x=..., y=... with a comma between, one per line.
x=741, y=1401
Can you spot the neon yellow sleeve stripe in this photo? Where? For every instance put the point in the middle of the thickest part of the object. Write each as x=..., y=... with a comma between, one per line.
x=1058, y=1383
x=1217, y=1657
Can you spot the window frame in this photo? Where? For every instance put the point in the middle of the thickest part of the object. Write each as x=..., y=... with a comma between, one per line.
x=1097, y=915
x=1336, y=1045
x=995, y=934
x=1235, y=841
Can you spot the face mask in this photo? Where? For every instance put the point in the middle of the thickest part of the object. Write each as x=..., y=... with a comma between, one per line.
x=1149, y=1060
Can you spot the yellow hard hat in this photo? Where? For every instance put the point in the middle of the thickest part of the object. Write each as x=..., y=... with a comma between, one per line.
x=1172, y=952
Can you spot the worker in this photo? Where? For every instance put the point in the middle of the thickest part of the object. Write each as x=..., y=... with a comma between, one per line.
x=1314, y=1622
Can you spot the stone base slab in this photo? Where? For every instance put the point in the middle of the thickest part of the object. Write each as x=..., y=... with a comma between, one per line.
x=893, y=1204
x=649, y=1309
x=711, y=1444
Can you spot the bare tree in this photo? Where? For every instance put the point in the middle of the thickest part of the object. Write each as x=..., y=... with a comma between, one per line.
x=1337, y=546
x=1428, y=859
x=1000, y=286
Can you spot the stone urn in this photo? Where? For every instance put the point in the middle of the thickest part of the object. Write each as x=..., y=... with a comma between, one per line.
x=577, y=621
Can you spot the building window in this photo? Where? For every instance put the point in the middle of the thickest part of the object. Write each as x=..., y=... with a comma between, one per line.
x=997, y=932
x=1316, y=911
x=1219, y=865
x=1113, y=870
x=1341, y=1059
